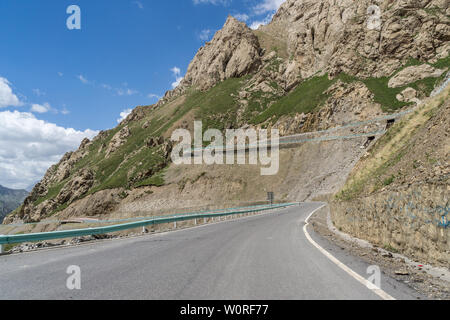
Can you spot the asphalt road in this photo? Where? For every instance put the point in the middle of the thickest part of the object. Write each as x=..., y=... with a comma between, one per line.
x=259, y=257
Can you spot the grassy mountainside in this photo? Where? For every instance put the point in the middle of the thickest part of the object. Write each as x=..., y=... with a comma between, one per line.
x=414, y=150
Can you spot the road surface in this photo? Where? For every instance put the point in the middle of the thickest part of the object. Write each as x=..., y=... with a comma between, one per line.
x=258, y=257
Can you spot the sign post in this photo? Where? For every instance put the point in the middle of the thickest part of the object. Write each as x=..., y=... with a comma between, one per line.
x=270, y=197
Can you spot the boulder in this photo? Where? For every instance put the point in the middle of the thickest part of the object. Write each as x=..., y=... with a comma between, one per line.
x=413, y=74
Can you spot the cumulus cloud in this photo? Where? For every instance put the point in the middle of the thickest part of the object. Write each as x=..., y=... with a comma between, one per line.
x=260, y=14
x=242, y=17
x=257, y=23
x=29, y=146
x=124, y=114
x=41, y=108
x=178, y=78
x=7, y=97
x=267, y=6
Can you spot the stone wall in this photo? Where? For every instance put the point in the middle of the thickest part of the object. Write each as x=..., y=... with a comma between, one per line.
x=413, y=220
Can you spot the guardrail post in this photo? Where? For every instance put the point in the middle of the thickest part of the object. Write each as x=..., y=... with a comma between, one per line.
x=1, y=248
x=204, y=220
x=195, y=222
x=175, y=225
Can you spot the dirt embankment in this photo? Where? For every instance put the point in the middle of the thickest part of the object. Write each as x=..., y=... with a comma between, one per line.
x=398, y=197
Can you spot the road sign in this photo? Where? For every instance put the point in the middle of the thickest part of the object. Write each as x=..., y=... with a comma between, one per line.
x=270, y=197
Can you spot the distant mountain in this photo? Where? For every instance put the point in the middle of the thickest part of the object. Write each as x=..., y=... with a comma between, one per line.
x=9, y=200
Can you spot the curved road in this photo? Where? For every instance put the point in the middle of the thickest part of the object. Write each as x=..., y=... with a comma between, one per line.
x=259, y=258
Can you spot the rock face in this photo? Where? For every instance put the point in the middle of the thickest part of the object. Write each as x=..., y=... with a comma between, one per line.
x=338, y=36
x=77, y=187
x=413, y=74
x=118, y=140
x=408, y=95
x=233, y=52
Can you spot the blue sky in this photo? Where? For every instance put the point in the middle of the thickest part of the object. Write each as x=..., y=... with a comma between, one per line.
x=127, y=53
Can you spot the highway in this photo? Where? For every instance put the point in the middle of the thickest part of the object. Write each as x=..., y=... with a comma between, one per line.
x=265, y=257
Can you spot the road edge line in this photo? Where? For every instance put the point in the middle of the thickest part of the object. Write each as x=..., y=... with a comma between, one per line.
x=378, y=291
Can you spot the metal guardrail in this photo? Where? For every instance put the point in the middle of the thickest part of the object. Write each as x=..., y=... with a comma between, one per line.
x=35, y=237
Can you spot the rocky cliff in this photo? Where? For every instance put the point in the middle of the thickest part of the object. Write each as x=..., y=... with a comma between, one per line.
x=317, y=65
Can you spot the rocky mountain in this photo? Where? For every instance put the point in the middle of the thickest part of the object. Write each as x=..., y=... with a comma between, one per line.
x=9, y=200
x=319, y=64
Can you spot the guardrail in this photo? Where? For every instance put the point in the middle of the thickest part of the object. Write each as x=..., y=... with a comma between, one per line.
x=35, y=237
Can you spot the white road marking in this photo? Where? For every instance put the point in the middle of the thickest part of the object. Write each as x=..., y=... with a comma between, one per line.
x=352, y=273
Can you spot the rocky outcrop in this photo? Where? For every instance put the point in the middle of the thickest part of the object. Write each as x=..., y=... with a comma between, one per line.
x=413, y=74
x=233, y=52
x=338, y=36
x=77, y=187
x=118, y=140
x=408, y=95
x=98, y=204
x=346, y=103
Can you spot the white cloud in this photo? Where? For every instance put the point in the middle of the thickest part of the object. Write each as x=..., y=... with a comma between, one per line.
x=7, y=97
x=29, y=146
x=176, y=71
x=206, y=34
x=256, y=24
x=41, y=108
x=60, y=74
x=83, y=79
x=242, y=17
x=124, y=114
x=178, y=78
x=267, y=6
